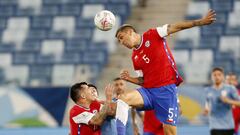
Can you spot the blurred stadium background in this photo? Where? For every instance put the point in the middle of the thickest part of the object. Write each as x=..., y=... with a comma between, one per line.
x=47, y=45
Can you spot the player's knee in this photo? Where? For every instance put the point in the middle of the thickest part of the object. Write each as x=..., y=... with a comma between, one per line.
x=132, y=98
x=125, y=98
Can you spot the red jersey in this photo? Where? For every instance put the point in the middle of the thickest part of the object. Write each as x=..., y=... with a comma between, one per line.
x=79, y=118
x=152, y=124
x=154, y=59
x=236, y=115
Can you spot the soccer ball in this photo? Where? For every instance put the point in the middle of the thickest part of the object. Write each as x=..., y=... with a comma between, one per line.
x=104, y=20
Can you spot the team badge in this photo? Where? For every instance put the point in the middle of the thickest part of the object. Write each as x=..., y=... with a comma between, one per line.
x=135, y=57
x=147, y=43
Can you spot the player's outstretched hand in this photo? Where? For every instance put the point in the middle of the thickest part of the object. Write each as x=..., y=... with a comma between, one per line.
x=124, y=74
x=109, y=92
x=209, y=18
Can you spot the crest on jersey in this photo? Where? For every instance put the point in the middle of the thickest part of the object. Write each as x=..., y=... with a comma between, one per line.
x=147, y=43
x=135, y=57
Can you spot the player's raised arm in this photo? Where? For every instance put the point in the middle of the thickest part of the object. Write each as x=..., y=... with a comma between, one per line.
x=98, y=118
x=233, y=100
x=230, y=101
x=124, y=74
x=206, y=20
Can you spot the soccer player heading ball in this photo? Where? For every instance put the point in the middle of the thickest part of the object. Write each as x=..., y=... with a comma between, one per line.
x=158, y=74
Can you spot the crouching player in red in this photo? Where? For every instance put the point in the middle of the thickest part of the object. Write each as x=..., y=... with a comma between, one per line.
x=87, y=115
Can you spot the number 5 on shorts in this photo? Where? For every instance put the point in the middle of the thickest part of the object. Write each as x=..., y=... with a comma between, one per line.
x=170, y=111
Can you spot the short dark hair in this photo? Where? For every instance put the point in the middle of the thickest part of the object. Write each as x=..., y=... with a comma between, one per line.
x=232, y=74
x=123, y=27
x=91, y=85
x=75, y=89
x=218, y=69
x=117, y=79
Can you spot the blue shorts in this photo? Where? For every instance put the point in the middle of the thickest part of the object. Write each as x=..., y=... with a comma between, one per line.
x=164, y=101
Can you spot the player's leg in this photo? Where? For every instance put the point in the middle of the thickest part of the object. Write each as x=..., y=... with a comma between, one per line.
x=136, y=98
x=132, y=98
x=166, y=107
x=169, y=129
x=122, y=107
x=121, y=116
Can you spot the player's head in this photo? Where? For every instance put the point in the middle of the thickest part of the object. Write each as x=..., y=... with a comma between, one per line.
x=127, y=36
x=81, y=91
x=120, y=85
x=94, y=90
x=217, y=75
x=232, y=79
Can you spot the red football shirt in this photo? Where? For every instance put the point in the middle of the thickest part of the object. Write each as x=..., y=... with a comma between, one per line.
x=79, y=118
x=236, y=115
x=151, y=124
x=155, y=61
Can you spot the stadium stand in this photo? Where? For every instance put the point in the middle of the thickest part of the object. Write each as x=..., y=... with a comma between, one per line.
x=49, y=38
x=218, y=43
x=48, y=44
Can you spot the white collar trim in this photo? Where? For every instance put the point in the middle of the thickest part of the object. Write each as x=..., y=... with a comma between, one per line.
x=83, y=107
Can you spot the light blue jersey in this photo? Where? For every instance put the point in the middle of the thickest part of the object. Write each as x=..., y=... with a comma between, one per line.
x=109, y=126
x=220, y=116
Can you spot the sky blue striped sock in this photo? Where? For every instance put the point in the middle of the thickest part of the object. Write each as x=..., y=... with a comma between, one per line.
x=121, y=116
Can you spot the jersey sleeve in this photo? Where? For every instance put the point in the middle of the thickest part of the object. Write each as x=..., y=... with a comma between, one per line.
x=159, y=32
x=139, y=73
x=83, y=117
x=162, y=31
